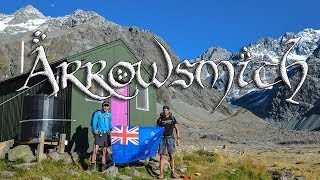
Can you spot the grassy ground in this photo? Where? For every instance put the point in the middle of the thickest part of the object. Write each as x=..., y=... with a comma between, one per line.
x=253, y=164
x=222, y=166
x=300, y=160
x=50, y=169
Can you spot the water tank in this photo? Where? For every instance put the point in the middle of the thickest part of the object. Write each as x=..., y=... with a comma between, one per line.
x=42, y=113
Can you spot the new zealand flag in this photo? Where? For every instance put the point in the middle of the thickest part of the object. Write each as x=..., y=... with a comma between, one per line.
x=132, y=143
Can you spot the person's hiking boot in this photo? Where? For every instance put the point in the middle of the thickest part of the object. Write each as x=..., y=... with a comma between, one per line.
x=160, y=176
x=174, y=175
x=93, y=167
x=103, y=167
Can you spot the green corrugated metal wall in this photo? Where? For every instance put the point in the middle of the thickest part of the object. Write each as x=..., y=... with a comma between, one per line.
x=76, y=106
x=82, y=109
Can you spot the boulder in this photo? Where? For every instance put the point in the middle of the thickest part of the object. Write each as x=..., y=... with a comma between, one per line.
x=71, y=172
x=135, y=173
x=24, y=165
x=65, y=157
x=182, y=168
x=75, y=156
x=112, y=171
x=21, y=152
x=4, y=148
x=7, y=174
x=156, y=158
x=154, y=165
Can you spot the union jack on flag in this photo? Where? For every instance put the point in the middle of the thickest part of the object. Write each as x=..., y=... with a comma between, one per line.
x=132, y=143
x=125, y=134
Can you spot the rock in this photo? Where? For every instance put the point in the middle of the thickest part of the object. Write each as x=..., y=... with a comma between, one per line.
x=54, y=156
x=157, y=172
x=30, y=158
x=156, y=158
x=24, y=165
x=7, y=174
x=182, y=168
x=71, y=172
x=154, y=165
x=283, y=174
x=144, y=160
x=75, y=156
x=124, y=177
x=4, y=148
x=65, y=157
x=198, y=174
x=21, y=152
x=136, y=173
x=112, y=171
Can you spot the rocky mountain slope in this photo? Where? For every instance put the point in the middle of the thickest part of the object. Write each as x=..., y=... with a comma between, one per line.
x=202, y=129
x=265, y=49
x=83, y=30
x=270, y=103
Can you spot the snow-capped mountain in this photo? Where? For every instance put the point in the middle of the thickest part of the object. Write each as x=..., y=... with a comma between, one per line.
x=29, y=19
x=265, y=49
x=23, y=20
x=269, y=104
x=272, y=49
x=83, y=30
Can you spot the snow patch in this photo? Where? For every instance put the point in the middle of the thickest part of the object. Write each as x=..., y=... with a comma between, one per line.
x=4, y=22
x=297, y=57
x=30, y=25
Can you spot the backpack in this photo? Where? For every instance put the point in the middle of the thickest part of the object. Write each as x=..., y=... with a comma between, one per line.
x=93, y=115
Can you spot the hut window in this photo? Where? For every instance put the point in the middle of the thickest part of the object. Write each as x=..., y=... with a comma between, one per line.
x=142, y=99
x=95, y=89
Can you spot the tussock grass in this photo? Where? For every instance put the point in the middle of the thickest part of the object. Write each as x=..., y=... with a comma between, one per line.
x=217, y=165
x=200, y=156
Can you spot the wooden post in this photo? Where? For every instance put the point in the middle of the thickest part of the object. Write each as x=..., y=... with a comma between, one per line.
x=41, y=145
x=61, y=146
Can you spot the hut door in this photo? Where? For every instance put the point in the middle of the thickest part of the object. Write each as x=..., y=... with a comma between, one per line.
x=119, y=108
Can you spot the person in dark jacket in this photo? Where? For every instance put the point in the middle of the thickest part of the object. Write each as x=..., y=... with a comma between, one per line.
x=101, y=128
x=167, y=143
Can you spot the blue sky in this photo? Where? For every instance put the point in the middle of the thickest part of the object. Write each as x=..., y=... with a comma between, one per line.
x=191, y=27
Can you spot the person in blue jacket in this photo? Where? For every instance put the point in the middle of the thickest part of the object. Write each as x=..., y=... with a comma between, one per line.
x=101, y=125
